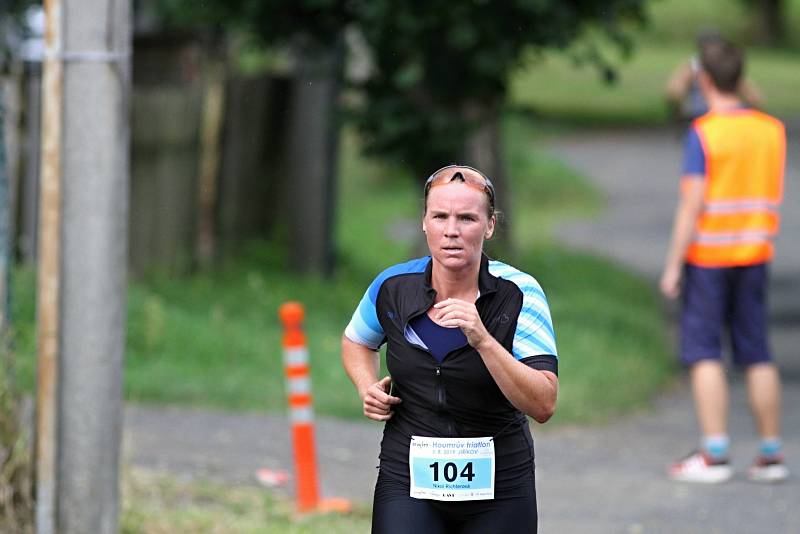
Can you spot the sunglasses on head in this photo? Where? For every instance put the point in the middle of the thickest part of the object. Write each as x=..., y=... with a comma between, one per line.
x=470, y=176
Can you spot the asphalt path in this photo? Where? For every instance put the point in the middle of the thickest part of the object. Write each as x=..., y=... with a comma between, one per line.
x=611, y=478
x=594, y=479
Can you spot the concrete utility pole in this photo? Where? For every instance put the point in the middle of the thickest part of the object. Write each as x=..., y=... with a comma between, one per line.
x=83, y=269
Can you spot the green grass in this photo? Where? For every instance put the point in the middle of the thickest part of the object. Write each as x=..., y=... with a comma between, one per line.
x=380, y=213
x=154, y=503
x=681, y=20
x=555, y=88
x=558, y=90
x=213, y=339
x=546, y=191
x=611, y=335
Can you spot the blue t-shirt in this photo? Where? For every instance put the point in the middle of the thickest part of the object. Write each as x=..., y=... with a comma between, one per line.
x=438, y=339
x=694, y=158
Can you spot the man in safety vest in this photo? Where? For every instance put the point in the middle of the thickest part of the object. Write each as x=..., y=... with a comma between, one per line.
x=722, y=243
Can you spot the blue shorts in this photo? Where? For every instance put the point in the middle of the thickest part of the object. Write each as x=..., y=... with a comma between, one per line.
x=718, y=298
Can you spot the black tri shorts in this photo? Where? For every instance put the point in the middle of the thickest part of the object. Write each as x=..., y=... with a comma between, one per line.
x=394, y=511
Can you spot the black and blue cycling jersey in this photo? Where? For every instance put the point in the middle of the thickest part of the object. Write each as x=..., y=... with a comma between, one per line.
x=456, y=396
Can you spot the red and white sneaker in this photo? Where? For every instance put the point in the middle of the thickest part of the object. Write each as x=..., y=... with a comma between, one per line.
x=768, y=469
x=701, y=468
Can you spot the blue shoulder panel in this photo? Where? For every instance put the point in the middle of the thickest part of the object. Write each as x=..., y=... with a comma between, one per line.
x=364, y=327
x=534, y=335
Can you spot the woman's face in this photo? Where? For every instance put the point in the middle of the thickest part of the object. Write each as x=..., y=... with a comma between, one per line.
x=456, y=223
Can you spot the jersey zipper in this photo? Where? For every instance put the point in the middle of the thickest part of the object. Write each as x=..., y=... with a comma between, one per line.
x=441, y=397
x=441, y=400
x=440, y=393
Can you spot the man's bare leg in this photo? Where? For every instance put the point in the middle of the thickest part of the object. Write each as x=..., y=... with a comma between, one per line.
x=710, y=390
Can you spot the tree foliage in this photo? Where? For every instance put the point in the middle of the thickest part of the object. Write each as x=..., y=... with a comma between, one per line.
x=770, y=17
x=275, y=22
x=438, y=66
x=442, y=67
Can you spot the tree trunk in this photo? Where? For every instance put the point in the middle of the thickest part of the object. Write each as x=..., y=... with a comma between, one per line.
x=210, y=156
x=483, y=150
x=771, y=26
x=253, y=162
x=313, y=142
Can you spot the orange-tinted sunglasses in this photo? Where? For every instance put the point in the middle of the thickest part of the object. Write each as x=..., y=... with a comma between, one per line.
x=471, y=177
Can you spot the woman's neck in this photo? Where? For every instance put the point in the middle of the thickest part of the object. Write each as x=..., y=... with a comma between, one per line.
x=461, y=285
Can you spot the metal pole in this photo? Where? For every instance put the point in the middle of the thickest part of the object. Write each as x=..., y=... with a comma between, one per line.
x=48, y=275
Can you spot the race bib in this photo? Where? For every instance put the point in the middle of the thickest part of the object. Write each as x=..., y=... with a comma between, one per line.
x=451, y=469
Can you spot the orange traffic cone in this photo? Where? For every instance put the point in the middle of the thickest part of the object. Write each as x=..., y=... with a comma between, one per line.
x=301, y=414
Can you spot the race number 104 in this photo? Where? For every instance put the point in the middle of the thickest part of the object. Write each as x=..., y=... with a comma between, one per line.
x=449, y=471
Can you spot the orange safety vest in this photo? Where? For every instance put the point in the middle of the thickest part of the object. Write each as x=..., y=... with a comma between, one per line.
x=745, y=152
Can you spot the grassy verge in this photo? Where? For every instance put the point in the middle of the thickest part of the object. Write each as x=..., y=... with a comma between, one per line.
x=16, y=458
x=611, y=335
x=154, y=503
x=546, y=191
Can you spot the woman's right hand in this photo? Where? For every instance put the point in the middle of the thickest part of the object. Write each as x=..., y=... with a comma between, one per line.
x=377, y=401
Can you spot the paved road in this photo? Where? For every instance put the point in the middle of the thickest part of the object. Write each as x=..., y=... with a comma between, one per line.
x=600, y=479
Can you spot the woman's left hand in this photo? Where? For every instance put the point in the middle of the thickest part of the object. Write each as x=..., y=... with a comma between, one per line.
x=453, y=313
